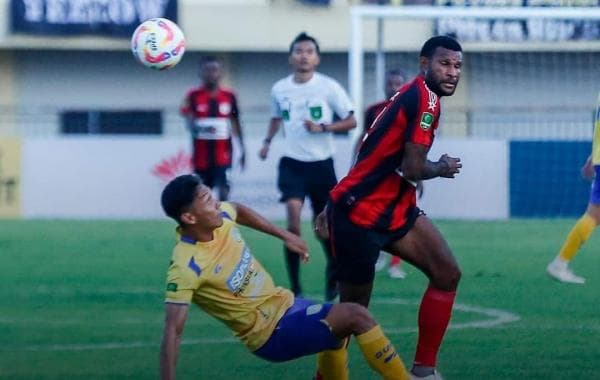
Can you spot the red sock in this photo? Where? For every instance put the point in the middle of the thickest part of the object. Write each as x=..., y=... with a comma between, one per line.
x=395, y=261
x=434, y=316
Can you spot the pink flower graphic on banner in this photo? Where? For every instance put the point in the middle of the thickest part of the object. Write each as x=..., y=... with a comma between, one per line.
x=170, y=167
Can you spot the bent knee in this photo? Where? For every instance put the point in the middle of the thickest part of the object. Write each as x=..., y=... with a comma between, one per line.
x=447, y=279
x=360, y=318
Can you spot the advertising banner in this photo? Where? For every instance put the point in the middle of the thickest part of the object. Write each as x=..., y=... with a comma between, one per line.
x=117, y=18
x=523, y=30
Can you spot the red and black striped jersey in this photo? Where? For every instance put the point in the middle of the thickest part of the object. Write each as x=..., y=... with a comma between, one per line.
x=374, y=192
x=372, y=111
x=210, y=114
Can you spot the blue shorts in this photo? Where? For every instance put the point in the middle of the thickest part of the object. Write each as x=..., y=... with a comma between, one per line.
x=595, y=193
x=300, y=332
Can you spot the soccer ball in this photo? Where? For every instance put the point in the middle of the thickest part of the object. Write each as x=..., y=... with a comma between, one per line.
x=158, y=43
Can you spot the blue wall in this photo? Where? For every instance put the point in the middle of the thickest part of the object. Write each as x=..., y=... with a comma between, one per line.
x=545, y=179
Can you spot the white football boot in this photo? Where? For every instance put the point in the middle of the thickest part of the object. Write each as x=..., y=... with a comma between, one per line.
x=560, y=270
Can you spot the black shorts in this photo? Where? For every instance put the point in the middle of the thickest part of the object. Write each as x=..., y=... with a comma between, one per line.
x=215, y=177
x=356, y=248
x=299, y=179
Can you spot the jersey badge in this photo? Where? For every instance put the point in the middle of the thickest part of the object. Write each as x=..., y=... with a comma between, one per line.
x=316, y=112
x=426, y=120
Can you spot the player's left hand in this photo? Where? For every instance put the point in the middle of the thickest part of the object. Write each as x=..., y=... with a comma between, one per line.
x=243, y=160
x=587, y=171
x=295, y=244
x=313, y=127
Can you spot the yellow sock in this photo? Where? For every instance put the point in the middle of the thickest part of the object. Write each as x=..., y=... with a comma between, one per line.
x=381, y=354
x=333, y=364
x=580, y=232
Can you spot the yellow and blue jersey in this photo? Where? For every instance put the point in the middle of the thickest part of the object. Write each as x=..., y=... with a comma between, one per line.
x=225, y=280
x=596, y=140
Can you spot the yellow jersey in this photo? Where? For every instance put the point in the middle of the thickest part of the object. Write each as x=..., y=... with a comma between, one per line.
x=596, y=140
x=225, y=280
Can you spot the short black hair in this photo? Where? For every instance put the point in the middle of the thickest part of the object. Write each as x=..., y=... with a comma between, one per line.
x=208, y=59
x=433, y=43
x=396, y=72
x=179, y=194
x=304, y=37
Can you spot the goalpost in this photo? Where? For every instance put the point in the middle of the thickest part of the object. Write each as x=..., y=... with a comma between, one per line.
x=513, y=36
x=529, y=84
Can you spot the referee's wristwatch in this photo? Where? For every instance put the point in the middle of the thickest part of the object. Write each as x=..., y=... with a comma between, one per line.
x=323, y=127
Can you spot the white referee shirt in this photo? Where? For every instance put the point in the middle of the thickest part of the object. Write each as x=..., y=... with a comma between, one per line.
x=317, y=100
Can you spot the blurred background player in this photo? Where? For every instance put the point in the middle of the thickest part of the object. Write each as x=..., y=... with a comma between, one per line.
x=305, y=102
x=374, y=206
x=212, y=266
x=212, y=115
x=394, y=79
x=582, y=230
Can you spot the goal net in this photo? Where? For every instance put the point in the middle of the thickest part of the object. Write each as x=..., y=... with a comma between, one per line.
x=530, y=79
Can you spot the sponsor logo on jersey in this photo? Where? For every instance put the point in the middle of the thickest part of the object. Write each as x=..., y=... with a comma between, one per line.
x=285, y=115
x=426, y=120
x=171, y=287
x=240, y=274
x=218, y=268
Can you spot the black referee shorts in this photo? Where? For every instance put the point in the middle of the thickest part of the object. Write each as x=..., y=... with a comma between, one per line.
x=299, y=179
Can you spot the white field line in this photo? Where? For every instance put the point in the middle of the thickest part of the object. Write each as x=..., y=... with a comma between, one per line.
x=494, y=318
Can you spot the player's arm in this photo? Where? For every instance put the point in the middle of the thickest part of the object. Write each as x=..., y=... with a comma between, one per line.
x=274, y=125
x=236, y=128
x=341, y=125
x=250, y=218
x=416, y=166
x=175, y=317
x=587, y=170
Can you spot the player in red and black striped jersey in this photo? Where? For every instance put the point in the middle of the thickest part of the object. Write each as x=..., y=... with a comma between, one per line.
x=394, y=80
x=374, y=207
x=213, y=116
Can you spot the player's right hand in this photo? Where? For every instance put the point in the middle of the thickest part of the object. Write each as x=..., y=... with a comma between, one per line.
x=453, y=166
x=263, y=152
x=295, y=243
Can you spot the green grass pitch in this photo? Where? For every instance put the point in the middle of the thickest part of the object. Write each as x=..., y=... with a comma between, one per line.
x=83, y=300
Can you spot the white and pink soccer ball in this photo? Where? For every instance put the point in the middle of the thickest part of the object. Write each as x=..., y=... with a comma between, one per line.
x=158, y=43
